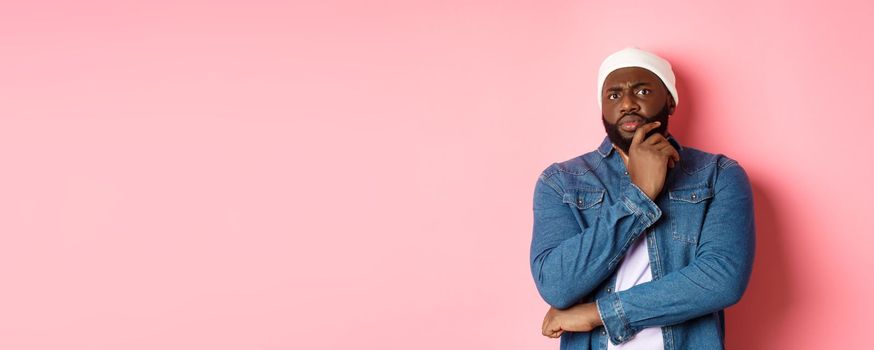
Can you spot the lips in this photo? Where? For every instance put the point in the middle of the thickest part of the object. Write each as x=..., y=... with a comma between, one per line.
x=630, y=127
x=630, y=123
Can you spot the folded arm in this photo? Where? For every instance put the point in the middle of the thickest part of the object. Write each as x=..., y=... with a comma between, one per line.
x=715, y=279
x=568, y=262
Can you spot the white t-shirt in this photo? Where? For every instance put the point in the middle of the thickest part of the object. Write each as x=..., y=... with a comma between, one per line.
x=633, y=270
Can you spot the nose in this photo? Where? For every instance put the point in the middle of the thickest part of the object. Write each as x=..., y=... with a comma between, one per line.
x=628, y=105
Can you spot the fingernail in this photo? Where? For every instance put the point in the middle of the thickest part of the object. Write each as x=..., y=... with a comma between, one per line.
x=658, y=123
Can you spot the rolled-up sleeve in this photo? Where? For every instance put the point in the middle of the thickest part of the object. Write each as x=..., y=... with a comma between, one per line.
x=568, y=261
x=716, y=278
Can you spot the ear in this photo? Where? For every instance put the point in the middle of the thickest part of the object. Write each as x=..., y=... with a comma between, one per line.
x=671, y=105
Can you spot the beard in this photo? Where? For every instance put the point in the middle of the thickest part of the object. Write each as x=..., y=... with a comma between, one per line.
x=623, y=143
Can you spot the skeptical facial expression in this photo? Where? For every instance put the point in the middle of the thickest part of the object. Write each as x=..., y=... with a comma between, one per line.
x=632, y=96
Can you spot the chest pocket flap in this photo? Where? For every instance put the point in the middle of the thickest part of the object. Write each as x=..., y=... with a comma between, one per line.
x=691, y=195
x=584, y=198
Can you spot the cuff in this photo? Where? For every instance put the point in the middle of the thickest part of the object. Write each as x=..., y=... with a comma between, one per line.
x=639, y=203
x=615, y=322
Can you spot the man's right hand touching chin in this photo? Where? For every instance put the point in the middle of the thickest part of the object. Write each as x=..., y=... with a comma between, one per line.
x=648, y=160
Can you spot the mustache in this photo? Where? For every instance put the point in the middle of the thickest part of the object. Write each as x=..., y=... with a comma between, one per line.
x=632, y=114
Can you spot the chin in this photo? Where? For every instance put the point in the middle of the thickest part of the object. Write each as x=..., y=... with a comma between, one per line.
x=627, y=136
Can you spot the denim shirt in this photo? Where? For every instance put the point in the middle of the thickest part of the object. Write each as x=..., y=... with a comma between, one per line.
x=700, y=236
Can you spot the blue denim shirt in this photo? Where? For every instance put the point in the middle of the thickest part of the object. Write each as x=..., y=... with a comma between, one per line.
x=700, y=235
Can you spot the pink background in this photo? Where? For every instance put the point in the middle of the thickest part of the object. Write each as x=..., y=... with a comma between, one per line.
x=359, y=175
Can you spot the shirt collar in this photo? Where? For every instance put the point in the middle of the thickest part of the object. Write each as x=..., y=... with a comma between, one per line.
x=606, y=146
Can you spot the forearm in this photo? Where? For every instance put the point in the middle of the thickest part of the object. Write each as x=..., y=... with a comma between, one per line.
x=715, y=279
x=568, y=262
x=704, y=287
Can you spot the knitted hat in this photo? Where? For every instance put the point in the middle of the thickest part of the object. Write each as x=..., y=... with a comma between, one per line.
x=634, y=57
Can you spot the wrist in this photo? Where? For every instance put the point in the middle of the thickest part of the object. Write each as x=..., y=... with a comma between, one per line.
x=596, y=316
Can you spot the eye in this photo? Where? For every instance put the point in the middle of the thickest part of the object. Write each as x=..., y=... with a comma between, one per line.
x=644, y=91
x=613, y=96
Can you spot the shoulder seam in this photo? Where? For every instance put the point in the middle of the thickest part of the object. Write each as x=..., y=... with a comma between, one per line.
x=584, y=159
x=547, y=174
x=725, y=162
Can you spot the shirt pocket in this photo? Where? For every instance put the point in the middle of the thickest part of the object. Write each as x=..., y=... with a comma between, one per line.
x=688, y=208
x=585, y=203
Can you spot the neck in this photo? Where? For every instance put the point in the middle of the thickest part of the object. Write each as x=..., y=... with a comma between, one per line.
x=622, y=154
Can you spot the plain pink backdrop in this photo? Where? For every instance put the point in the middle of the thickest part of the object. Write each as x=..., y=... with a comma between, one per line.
x=359, y=175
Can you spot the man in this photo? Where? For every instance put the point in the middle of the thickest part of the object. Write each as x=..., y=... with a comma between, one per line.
x=643, y=242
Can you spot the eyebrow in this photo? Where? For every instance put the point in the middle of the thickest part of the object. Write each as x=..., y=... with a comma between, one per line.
x=633, y=85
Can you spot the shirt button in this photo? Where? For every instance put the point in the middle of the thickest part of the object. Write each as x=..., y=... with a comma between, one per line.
x=619, y=338
x=626, y=173
x=609, y=289
x=694, y=196
x=603, y=332
x=580, y=201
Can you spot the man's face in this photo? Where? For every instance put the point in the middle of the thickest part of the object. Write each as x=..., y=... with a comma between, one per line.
x=631, y=97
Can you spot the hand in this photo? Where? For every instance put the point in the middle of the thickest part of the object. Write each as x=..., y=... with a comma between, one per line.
x=649, y=158
x=577, y=318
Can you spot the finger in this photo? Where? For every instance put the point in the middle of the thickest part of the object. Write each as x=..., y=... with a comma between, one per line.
x=664, y=148
x=668, y=148
x=675, y=155
x=655, y=139
x=670, y=162
x=642, y=130
x=557, y=334
x=672, y=155
x=549, y=330
x=669, y=153
x=555, y=331
x=663, y=145
x=547, y=317
x=549, y=334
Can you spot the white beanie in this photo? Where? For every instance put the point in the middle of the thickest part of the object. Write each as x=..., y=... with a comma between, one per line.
x=634, y=57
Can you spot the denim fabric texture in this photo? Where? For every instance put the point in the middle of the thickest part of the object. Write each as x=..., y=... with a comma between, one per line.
x=700, y=235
